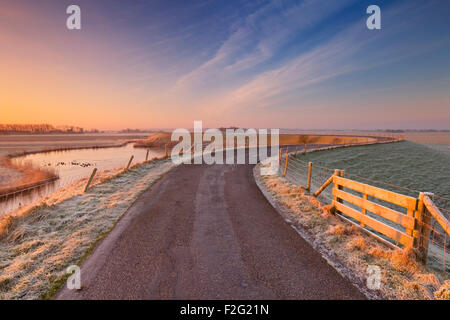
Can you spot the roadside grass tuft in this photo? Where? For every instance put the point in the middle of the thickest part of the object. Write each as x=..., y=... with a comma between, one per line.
x=402, y=276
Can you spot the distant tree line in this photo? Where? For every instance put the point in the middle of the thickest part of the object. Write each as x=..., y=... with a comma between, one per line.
x=128, y=130
x=38, y=129
x=412, y=130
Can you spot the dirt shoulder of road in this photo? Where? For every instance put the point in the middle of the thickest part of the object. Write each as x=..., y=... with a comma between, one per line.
x=350, y=250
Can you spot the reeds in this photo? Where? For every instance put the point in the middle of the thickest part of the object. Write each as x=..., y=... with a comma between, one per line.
x=31, y=176
x=39, y=242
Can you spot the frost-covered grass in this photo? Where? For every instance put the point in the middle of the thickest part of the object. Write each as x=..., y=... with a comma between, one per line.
x=402, y=277
x=38, y=242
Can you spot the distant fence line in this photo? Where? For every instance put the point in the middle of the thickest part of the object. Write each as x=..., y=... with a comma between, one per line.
x=127, y=167
x=8, y=199
x=394, y=218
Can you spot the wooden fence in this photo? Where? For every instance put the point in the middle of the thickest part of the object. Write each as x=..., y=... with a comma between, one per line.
x=127, y=167
x=379, y=211
x=414, y=226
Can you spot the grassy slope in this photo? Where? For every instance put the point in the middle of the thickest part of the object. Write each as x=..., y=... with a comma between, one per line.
x=401, y=276
x=37, y=246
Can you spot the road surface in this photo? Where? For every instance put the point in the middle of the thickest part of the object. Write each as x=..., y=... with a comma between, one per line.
x=207, y=232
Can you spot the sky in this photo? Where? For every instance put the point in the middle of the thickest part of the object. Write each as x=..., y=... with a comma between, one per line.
x=306, y=64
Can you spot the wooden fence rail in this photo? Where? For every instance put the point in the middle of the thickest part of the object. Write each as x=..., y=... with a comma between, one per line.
x=437, y=214
x=308, y=183
x=409, y=229
x=404, y=238
x=90, y=179
x=326, y=184
x=414, y=229
x=129, y=163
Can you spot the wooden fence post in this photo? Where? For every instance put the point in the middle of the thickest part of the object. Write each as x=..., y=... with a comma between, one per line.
x=129, y=162
x=308, y=185
x=165, y=151
x=336, y=173
x=146, y=156
x=304, y=150
x=422, y=232
x=296, y=150
x=90, y=179
x=286, y=164
x=341, y=174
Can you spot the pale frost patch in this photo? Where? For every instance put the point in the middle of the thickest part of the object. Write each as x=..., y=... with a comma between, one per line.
x=39, y=243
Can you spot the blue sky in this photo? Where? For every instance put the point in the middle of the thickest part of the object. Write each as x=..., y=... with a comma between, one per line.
x=290, y=64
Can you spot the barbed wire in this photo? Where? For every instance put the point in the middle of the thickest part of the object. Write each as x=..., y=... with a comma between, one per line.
x=440, y=197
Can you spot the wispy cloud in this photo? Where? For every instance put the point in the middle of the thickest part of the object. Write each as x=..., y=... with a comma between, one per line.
x=226, y=62
x=351, y=50
x=256, y=40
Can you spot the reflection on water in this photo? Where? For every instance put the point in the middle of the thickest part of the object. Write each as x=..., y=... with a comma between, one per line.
x=71, y=166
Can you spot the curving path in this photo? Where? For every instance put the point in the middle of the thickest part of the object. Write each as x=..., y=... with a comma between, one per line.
x=207, y=232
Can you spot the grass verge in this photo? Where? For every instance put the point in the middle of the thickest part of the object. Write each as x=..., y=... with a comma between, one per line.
x=402, y=277
x=38, y=245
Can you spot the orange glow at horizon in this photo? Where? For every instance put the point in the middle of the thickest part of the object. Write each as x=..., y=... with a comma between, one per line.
x=81, y=78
